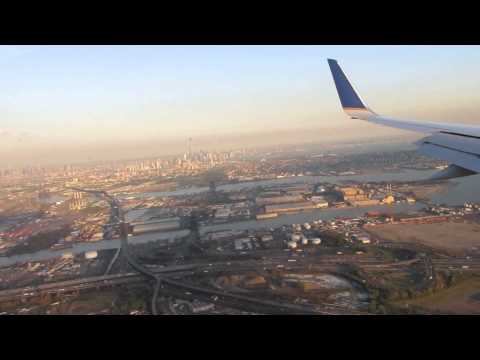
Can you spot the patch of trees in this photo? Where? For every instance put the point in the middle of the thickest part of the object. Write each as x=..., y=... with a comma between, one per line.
x=382, y=298
x=393, y=254
x=131, y=298
x=332, y=238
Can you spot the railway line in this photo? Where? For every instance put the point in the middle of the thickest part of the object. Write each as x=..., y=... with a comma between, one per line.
x=171, y=284
x=170, y=281
x=216, y=295
x=87, y=283
x=172, y=277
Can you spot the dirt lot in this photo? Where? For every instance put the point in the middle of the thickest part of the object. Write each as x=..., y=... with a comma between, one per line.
x=460, y=299
x=455, y=237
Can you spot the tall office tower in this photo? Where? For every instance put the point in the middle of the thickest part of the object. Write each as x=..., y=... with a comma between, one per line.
x=189, y=148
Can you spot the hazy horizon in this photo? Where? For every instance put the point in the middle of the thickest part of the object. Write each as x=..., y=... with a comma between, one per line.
x=66, y=104
x=149, y=150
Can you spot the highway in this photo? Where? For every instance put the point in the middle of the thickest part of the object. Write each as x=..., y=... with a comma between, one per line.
x=170, y=275
x=118, y=217
x=112, y=262
x=168, y=281
x=87, y=283
x=82, y=247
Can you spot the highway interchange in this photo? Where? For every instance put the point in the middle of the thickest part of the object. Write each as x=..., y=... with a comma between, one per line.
x=169, y=281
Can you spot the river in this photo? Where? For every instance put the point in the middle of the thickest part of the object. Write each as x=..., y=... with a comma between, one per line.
x=82, y=247
x=460, y=191
x=404, y=175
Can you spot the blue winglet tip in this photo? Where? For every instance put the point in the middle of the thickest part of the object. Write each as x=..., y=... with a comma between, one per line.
x=348, y=97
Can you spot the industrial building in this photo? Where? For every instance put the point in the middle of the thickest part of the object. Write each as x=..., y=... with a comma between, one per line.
x=357, y=197
x=389, y=199
x=168, y=224
x=224, y=235
x=320, y=201
x=222, y=214
x=261, y=201
x=291, y=207
x=266, y=216
x=366, y=202
x=243, y=244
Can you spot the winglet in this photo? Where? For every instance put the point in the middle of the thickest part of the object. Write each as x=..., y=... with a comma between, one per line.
x=350, y=100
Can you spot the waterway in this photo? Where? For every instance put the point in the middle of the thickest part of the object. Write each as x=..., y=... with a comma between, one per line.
x=460, y=191
x=82, y=247
x=404, y=175
x=309, y=216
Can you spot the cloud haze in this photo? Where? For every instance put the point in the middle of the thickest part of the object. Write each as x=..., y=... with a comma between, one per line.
x=74, y=103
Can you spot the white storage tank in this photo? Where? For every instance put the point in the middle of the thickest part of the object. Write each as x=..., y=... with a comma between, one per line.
x=291, y=244
x=304, y=240
x=307, y=226
x=91, y=254
x=296, y=237
x=316, y=241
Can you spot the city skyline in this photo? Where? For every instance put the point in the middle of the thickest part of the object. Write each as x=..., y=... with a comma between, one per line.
x=80, y=102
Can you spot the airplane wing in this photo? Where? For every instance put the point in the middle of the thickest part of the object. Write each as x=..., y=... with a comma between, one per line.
x=456, y=144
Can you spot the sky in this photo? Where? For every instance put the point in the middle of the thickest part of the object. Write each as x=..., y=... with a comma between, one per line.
x=77, y=103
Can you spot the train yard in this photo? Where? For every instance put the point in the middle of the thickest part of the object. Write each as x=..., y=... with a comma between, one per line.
x=357, y=273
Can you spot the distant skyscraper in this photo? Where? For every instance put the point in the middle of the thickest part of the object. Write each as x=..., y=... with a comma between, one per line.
x=189, y=148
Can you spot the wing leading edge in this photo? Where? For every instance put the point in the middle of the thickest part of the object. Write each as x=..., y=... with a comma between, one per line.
x=457, y=144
